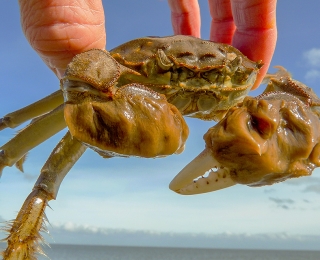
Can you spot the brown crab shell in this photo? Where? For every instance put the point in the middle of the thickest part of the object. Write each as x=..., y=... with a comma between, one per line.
x=201, y=78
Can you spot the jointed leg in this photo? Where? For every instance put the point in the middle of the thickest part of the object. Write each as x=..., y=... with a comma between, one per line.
x=24, y=232
x=35, y=109
x=35, y=133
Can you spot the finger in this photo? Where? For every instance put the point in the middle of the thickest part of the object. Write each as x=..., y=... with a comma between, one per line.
x=222, y=24
x=58, y=30
x=185, y=17
x=256, y=32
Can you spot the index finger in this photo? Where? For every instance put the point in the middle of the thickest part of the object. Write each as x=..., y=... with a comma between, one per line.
x=185, y=17
x=58, y=30
x=256, y=31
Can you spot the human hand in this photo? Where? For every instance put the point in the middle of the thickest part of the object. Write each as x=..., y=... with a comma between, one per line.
x=60, y=29
x=248, y=25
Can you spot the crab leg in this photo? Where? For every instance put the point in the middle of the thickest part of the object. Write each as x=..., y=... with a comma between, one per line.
x=33, y=110
x=24, y=232
x=35, y=133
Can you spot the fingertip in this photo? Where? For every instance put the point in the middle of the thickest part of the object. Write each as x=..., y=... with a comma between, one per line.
x=185, y=17
x=258, y=80
x=258, y=45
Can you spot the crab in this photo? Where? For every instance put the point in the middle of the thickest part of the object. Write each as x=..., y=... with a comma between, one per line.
x=126, y=102
x=261, y=141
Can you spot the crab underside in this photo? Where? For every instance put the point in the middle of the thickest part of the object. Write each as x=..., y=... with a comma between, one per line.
x=131, y=102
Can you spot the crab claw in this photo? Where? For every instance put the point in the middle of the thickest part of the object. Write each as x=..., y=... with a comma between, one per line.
x=186, y=182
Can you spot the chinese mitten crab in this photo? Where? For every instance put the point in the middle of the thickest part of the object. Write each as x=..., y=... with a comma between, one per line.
x=261, y=141
x=126, y=102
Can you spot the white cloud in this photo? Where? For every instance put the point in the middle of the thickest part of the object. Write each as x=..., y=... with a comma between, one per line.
x=313, y=57
x=124, y=237
x=312, y=75
x=71, y=233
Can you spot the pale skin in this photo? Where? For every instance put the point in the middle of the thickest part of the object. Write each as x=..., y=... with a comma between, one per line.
x=249, y=25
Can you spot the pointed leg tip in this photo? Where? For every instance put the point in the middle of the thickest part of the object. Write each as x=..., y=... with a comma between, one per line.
x=1, y=169
x=24, y=239
x=3, y=124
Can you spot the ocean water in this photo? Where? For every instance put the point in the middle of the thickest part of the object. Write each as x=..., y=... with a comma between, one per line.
x=79, y=252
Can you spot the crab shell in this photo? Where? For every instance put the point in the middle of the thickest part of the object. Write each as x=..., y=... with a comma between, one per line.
x=203, y=79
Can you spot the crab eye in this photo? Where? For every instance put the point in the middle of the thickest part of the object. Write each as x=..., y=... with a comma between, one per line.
x=211, y=75
x=240, y=76
x=190, y=73
x=185, y=73
x=205, y=74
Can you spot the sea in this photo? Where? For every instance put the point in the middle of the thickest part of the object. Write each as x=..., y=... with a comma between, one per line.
x=86, y=252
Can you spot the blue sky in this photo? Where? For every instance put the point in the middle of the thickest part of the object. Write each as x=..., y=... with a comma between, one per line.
x=131, y=196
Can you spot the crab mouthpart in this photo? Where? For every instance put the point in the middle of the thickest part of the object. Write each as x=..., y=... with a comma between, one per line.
x=187, y=181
